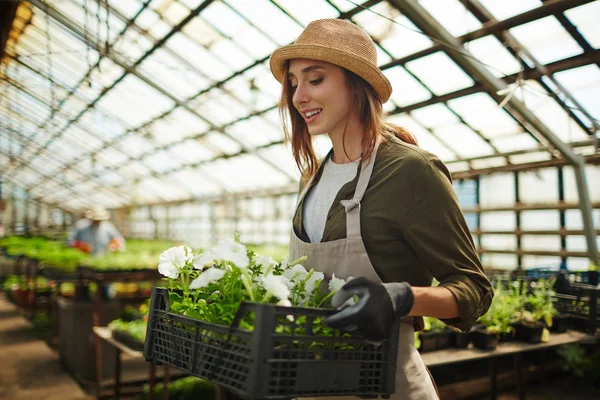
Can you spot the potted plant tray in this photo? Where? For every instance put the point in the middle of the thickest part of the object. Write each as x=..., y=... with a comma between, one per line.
x=281, y=357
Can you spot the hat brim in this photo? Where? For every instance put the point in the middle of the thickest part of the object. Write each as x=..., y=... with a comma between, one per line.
x=349, y=61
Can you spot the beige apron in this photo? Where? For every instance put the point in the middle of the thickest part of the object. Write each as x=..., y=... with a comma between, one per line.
x=348, y=257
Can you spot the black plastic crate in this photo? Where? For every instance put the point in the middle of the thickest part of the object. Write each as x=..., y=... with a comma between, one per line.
x=581, y=303
x=267, y=364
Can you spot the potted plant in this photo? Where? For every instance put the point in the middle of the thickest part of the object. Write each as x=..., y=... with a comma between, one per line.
x=495, y=325
x=541, y=304
x=460, y=339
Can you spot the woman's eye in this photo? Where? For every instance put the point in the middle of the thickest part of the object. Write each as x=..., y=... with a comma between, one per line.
x=293, y=88
x=316, y=81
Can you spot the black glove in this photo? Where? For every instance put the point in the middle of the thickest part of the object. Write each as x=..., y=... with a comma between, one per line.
x=377, y=309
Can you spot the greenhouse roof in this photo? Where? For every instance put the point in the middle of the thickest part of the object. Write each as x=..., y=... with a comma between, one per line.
x=130, y=101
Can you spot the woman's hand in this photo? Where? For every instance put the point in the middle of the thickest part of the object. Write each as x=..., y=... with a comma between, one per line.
x=378, y=307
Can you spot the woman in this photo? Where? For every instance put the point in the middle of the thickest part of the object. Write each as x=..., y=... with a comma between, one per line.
x=377, y=208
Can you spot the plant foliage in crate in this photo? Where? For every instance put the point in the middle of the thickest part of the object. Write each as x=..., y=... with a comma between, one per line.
x=282, y=356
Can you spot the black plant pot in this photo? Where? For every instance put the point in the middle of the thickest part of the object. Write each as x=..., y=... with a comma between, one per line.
x=444, y=339
x=530, y=333
x=460, y=340
x=560, y=323
x=593, y=278
x=484, y=340
x=507, y=336
x=428, y=341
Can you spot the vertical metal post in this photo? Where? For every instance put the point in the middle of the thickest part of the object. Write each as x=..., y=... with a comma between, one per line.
x=562, y=213
x=518, y=223
x=585, y=206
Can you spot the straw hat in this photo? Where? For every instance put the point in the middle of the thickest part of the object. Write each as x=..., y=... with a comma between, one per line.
x=99, y=213
x=338, y=42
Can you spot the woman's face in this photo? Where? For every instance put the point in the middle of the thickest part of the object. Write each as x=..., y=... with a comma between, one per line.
x=320, y=95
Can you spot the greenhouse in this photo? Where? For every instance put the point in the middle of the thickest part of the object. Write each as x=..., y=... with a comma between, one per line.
x=286, y=199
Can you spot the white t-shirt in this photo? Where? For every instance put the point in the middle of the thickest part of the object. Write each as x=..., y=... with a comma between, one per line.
x=320, y=197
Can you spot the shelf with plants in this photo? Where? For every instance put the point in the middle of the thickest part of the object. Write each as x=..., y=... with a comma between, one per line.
x=228, y=309
x=130, y=328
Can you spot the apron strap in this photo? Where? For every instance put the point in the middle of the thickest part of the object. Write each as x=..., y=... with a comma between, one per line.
x=352, y=206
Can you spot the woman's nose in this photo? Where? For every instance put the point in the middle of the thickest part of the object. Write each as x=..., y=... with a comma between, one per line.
x=300, y=95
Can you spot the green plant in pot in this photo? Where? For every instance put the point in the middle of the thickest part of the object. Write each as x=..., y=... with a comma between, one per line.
x=541, y=304
x=496, y=323
x=528, y=328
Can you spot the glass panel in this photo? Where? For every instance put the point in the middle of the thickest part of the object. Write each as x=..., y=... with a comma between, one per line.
x=308, y=10
x=75, y=134
x=550, y=113
x=584, y=85
x=546, y=40
x=428, y=68
x=194, y=183
x=177, y=125
x=135, y=102
x=191, y=151
x=434, y=115
x=489, y=195
x=408, y=89
x=494, y=55
x=521, y=141
x=135, y=145
x=244, y=173
x=499, y=242
x=529, y=157
x=282, y=156
x=585, y=19
x=267, y=17
x=499, y=261
x=173, y=11
x=506, y=9
x=424, y=137
x=592, y=176
x=111, y=157
x=489, y=163
x=220, y=141
x=218, y=107
x=161, y=162
x=463, y=140
x=539, y=186
x=173, y=76
x=452, y=15
x=543, y=243
x=255, y=132
x=540, y=220
x=481, y=112
x=200, y=57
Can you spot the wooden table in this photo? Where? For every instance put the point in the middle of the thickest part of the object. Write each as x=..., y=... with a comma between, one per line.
x=516, y=349
x=105, y=334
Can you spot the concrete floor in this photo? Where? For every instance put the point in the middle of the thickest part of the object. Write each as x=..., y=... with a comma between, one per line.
x=29, y=369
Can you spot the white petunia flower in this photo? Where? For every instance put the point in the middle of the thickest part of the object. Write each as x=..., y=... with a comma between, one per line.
x=312, y=281
x=276, y=285
x=230, y=250
x=297, y=272
x=265, y=262
x=204, y=259
x=211, y=274
x=335, y=283
x=172, y=260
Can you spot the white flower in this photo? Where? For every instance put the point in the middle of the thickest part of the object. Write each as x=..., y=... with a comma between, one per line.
x=203, y=260
x=230, y=250
x=312, y=281
x=211, y=274
x=265, y=262
x=285, y=303
x=335, y=283
x=172, y=260
x=297, y=272
x=276, y=285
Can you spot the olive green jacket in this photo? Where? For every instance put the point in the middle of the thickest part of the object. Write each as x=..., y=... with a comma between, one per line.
x=413, y=228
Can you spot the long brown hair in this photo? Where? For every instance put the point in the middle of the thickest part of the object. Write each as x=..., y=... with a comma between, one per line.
x=368, y=108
